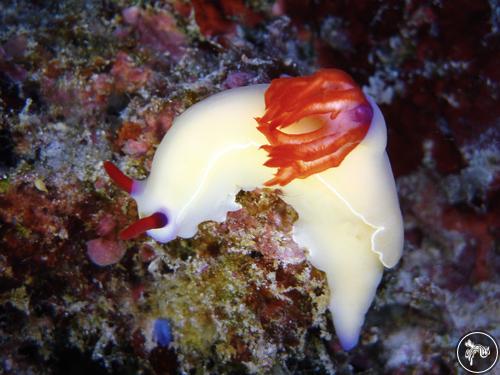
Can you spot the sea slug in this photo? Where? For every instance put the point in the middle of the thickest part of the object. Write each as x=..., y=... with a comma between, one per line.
x=326, y=139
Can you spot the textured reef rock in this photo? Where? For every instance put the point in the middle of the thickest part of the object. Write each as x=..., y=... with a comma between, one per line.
x=86, y=81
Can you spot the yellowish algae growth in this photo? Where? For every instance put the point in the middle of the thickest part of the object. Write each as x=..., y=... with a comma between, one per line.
x=237, y=306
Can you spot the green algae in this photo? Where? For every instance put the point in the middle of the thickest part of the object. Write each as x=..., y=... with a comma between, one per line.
x=4, y=185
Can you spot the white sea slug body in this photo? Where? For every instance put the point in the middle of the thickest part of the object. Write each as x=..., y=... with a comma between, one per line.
x=332, y=169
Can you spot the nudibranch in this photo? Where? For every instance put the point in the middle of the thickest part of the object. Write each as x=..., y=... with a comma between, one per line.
x=326, y=139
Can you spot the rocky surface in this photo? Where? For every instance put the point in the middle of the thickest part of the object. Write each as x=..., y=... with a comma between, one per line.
x=87, y=81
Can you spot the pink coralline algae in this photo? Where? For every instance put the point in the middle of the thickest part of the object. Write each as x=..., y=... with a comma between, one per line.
x=10, y=54
x=156, y=30
x=127, y=76
x=135, y=148
x=268, y=233
x=158, y=123
x=138, y=138
x=106, y=249
x=105, y=252
x=237, y=79
x=106, y=225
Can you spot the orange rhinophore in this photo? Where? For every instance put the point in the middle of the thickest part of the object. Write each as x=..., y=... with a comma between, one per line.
x=329, y=96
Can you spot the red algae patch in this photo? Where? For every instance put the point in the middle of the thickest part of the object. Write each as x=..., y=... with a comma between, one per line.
x=129, y=130
x=105, y=252
x=217, y=18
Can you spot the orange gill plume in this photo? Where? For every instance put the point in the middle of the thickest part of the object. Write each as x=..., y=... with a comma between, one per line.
x=330, y=97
